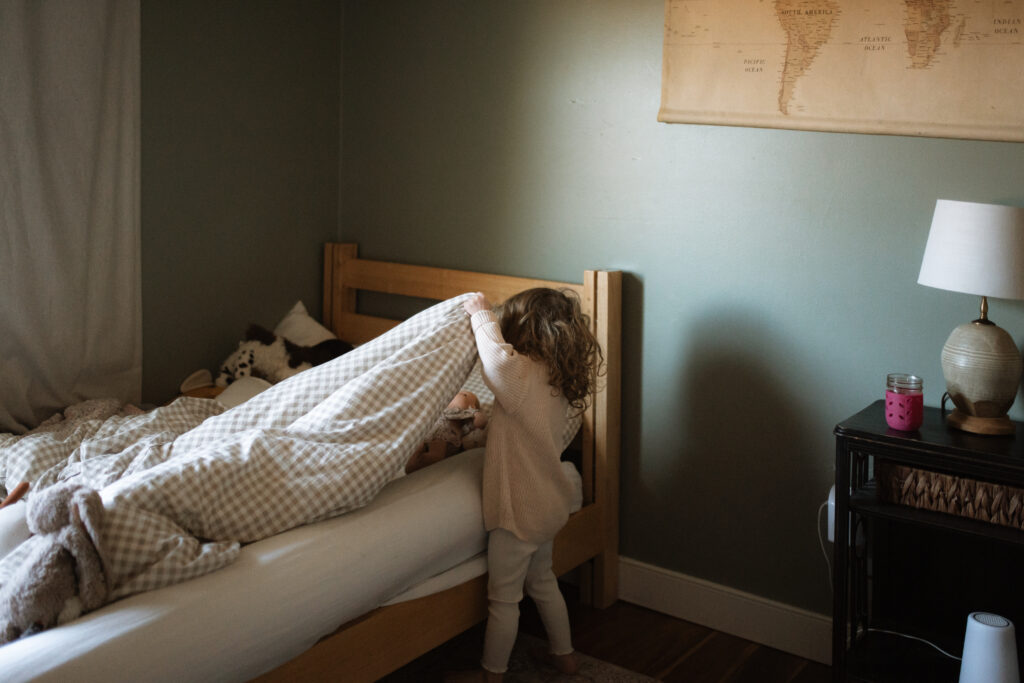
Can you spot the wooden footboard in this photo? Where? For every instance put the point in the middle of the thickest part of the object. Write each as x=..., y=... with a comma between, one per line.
x=389, y=637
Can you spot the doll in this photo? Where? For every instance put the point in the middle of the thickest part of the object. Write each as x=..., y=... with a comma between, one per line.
x=461, y=426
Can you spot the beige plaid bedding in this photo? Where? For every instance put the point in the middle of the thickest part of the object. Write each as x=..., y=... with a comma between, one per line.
x=184, y=486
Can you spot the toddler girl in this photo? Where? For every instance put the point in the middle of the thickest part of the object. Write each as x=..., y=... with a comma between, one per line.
x=541, y=361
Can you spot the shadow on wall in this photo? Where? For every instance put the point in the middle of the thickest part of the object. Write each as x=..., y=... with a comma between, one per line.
x=632, y=386
x=747, y=493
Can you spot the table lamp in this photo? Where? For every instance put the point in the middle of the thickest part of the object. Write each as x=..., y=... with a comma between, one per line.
x=978, y=249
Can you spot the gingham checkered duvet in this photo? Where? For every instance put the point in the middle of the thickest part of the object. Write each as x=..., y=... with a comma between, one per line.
x=183, y=486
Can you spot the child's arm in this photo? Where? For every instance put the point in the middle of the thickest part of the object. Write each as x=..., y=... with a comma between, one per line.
x=504, y=370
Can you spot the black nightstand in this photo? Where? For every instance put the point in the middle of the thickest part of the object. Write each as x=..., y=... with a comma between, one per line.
x=913, y=571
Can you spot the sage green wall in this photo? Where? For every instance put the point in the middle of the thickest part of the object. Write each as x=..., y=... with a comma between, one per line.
x=240, y=131
x=771, y=274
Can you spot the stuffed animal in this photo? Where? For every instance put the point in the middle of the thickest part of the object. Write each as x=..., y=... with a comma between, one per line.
x=462, y=425
x=62, y=575
x=477, y=436
x=271, y=357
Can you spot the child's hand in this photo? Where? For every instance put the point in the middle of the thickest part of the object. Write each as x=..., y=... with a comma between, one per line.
x=475, y=303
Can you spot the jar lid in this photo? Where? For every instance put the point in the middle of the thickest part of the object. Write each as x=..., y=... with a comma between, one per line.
x=903, y=381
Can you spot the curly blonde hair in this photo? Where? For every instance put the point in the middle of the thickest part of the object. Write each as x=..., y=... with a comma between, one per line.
x=549, y=326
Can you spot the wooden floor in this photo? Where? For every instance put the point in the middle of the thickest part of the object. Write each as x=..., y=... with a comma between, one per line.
x=640, y=640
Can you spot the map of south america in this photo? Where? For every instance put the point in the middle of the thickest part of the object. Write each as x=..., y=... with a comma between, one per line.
x=808, y=26
x=925, y=23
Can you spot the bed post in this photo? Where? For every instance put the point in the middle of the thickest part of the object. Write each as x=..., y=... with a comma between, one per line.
x=602, y=300
x=588, y=464
x=338, y=298
x=607, y=441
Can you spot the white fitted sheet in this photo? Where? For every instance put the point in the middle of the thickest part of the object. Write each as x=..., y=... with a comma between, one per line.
x=281, y=596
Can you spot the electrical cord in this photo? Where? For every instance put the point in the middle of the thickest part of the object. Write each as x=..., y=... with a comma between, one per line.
x=821, y=542
x=920, y=640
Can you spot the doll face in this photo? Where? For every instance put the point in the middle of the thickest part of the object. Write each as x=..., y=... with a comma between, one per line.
x=464, y=400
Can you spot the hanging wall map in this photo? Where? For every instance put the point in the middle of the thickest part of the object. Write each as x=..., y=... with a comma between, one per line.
x=941, y=68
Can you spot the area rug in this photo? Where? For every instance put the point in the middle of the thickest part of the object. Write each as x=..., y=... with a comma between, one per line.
x=527, y=665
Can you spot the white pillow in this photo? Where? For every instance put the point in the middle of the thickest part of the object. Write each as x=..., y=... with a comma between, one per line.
x=299, y=328
x=241, y=390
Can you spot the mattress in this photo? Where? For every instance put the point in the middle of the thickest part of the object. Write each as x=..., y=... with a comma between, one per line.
x=281, y=596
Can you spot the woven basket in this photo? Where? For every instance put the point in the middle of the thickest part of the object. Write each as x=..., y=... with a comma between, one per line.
x=959, y=496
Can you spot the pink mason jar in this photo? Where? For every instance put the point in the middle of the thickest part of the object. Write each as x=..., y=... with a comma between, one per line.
x=904, y=402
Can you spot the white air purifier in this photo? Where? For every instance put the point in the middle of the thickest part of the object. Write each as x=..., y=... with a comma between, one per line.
x=990, y=650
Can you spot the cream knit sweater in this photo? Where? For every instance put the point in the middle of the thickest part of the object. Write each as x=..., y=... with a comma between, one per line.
x=525, y=490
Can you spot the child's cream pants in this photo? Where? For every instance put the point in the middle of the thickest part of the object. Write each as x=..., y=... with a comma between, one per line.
x=513, y=564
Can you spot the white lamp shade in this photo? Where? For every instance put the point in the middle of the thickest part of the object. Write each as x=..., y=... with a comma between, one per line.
x=976, y=249
x=990, y=650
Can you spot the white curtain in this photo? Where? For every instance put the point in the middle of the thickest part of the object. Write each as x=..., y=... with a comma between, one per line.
x=70, y=292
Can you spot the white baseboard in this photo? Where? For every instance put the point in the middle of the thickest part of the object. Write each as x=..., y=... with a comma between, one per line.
x=784, y=627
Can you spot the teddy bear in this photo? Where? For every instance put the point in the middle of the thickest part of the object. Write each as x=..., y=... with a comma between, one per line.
x=462, y=425
x=271, y=357
x=63, y=573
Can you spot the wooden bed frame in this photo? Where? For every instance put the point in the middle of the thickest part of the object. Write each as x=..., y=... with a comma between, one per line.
x=387, y=638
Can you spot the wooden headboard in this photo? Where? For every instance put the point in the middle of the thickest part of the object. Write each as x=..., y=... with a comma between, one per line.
x=591, y=533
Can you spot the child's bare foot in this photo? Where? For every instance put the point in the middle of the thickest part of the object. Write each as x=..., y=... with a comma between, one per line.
x=566, y=664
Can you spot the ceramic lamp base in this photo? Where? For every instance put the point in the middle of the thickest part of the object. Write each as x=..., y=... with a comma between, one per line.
x=982, y=368
x=992, y=426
